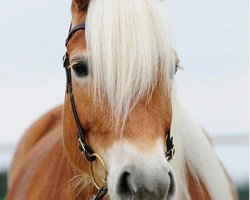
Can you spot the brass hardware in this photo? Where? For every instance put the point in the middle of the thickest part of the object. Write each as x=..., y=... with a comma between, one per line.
x=104, y=168
x=82, y=145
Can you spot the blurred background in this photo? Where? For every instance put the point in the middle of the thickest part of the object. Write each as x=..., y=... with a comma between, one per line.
x=211, y=38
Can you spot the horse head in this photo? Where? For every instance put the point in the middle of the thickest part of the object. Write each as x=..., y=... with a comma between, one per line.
x=121, y=65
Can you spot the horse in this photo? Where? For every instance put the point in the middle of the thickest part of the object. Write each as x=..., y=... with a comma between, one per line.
x=121, y=132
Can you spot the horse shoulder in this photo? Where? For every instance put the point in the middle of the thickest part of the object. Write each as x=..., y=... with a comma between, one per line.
x=40, y=169
x=33, y=135
x=197, y=188
x=44, y=173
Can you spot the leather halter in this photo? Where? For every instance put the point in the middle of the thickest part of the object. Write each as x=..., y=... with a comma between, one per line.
x=84, y=147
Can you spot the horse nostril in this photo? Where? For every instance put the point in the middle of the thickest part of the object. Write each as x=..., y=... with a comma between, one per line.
x=123, y=186
x=171, y=190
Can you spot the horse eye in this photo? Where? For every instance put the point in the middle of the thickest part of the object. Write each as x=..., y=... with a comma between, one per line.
x=81, y=69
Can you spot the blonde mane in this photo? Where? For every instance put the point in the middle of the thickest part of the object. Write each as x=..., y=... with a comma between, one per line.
x=129, y=51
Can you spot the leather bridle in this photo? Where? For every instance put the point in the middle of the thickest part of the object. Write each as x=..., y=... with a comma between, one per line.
x=84, y=147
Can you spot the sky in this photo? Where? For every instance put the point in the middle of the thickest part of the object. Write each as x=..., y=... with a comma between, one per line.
x=210, y=36
x=211, y=39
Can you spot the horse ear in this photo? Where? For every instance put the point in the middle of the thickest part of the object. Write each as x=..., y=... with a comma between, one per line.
x=80, y=5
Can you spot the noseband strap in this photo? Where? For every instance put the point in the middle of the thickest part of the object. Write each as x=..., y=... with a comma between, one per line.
x=84, y=147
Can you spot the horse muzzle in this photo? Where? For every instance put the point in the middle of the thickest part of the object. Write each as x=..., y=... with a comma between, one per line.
x=134, y=175
x=135, y=184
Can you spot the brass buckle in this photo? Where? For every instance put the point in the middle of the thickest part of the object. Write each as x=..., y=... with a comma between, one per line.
x=80, y=142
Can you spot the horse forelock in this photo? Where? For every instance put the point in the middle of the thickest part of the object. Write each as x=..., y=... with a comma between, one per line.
x=129, y=51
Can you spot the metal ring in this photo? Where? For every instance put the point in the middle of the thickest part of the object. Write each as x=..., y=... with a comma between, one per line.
x=104, y=168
